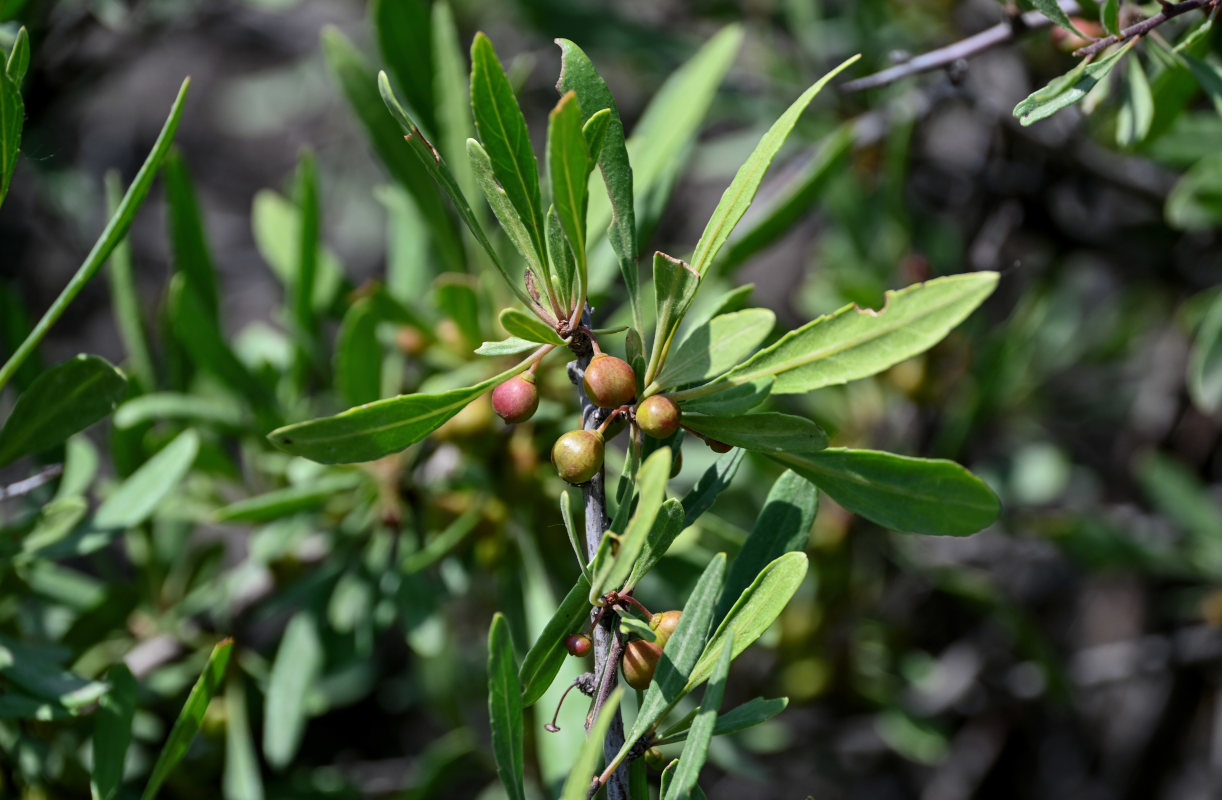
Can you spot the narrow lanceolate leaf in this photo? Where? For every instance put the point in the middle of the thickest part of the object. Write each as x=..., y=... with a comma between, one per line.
x=716, y=346
x=651, y=481
x=577, y=786
x=358, y=355
x=723, y=399
x=373, y=430
x=765, y=432
x=574, y=533
x=666, y=528
x=115, y=230
x=568, y=167
x=35, y=673
x=854, y=343
x=1052, y=9
x=713, y=482
x=281, y=503
x=502, y=208
x=577, y=74
x=112, y=733
x=221, y=412
x=128, y=310
x=564, y=277
x=756, y=609
x=594, y=131
x=452, y=93
x=674, y=285
x=505, y=708
x=295, y=671
x=139, y=495
x=747, y=715
x=914, y=495
x=696, y=750
x=682, y=651
x=737, y=198
x=12, y=118
x=527, y=326
x=506, y=347
x=406, y=42
x=1067, y=89
x=1136, y=113
x=241, y=779
x=189, y=719
x=65, y=399
x=188, y=242
x=1109, y=15
x=783, y=526
x=1205, y=364
x=547, y=655
x=502, y=130
x=19, y=57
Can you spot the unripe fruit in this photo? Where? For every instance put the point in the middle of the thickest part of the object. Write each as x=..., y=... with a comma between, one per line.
x=663, y=624
x=654, y=758
x=578, y=455
x=640, y=661
x=658, y=416
x=577, y=644
x=609, y=381
x=517, y=399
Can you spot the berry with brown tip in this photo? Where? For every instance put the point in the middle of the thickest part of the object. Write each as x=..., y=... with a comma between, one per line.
x=663, y=624
x=640, y=661
x=578, y=644
x=578, y=455
x=658, y=416
x=609, y=381
x=517, y=399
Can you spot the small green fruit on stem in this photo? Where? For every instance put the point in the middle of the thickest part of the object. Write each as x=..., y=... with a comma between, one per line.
x=640, y=661
x=578, y=455
x=658, y=416
x=609, y=381
x=517, y=399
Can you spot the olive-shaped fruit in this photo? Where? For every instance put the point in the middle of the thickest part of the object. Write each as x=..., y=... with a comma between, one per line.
x=577, y=644
x=609, y=381
x=640, y=660
x=658, y=416
x=663, y=624
x=578, y=455
x=517, y=399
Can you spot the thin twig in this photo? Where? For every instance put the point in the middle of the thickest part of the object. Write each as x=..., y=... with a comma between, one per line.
x=944, y=57
x=31, y=483
x=1170, y=11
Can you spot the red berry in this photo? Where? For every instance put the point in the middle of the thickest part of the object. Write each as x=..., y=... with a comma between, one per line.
x=517, y=399
x=640, y=660
x=609, y=382
x=578, y=644
x=578, y=455
x=658, y=416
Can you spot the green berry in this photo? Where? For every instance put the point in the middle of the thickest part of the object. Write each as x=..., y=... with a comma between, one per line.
x=517, y=399
x=578, y=455
x=609, y=381
x=658, y=416
x=663, y=624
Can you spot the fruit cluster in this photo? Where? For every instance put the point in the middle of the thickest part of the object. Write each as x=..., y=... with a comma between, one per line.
x=640, y=657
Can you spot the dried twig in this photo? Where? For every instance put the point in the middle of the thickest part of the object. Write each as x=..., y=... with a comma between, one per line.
x=31, y=483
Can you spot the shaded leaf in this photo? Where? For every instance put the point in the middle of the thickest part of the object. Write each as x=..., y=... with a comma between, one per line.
x=547, y=655
x=295, y=670
x=713, y=482
x=577, y=786
x=1052, y=9
x=696, y=750
x=505, y=708
x=358, y=355
x=765, y=431
x=747, y=715
x=290, y=500
x=112, y=732
x=666, y=528
x=1205, y=363
x=722, y=399
x=674, y=285
x=140, y=494
x=716, y=346
x=165, y=406
x=651, y=484
x=568, y=167
x=240, y=779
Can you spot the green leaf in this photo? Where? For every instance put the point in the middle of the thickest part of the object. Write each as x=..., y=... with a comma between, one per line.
x=681, y=654
x=440, y=545
x=358, y=355
x=521, y=325
x=594, y=131
x=1208, y=74
x=1052, y=9
x=506, y=347
x=1064, y=91
x=756, y=609
x=914, y=495
x=741, y=192
x=716, y=346
x=666, y=528
x=547, y=655
x=276, y=225
x=128, y=311
x=505, y=708
x=112, y=733
x=55, y=520
x=63, y=400
x=189, y=719
x=406, y=41
x=458, y=300
x=574, y=533
x=450, y=87
x=19, y=57
x=373, y=430
x=577, y=74
x=140, y=494
x=855, y=343
x=577, y=786
x=713, y=482
x=726, y=399
x=1195, y=203
x=12, y=118
x=674, y=285
x=188, y=242
x=357, y=80
x=639, y=629
x=290, y=500
x=747, y=715
x=1137, y=107
x=568, y=167
x=651, y=483
x=1205, y=363
x=241, y=779
x=221, y=412
x=30, y=668
x=305, y=267
x=295, y=671
x=783, y=526
x=114, y=232
x=564, y=278
x=696, y=750
x=766, y=431
x=503, y=133
x=1109, y=16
